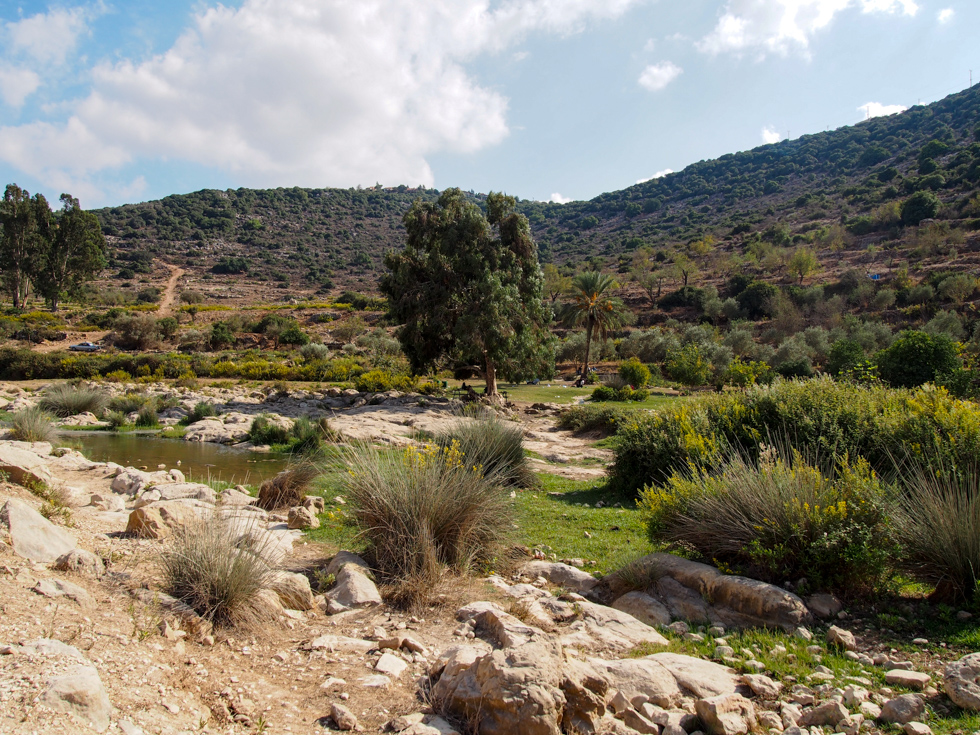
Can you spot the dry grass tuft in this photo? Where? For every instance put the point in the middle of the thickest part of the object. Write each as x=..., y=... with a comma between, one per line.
x=287, y=488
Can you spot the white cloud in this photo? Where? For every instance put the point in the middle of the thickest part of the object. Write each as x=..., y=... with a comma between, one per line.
x=559, y=199
x=650, y=45
x=308, y=93
x=945, y=15
x=47, y=38
x=779, y=26
x=657, y=175
x=876, y=109
x=770, y=135
x=17, y=84
x=657, y=76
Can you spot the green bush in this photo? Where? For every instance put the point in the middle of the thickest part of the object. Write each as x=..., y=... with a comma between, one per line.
x=845, y=355
x=201, y=410
x=689, y=365
x=742, y=374
x=779, y=518
x=130, y=403
x=608, y=393
x=67, y=400
x=33, y=425
x=116, y=419
x=921, y=205
x=379, y=381
x=264, y=431
x=423, y=510
x=916, y=358
x=293, y=335
x=634, y=372
x=819, y=417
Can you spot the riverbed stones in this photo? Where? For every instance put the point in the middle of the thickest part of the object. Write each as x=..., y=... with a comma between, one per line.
x=962, y=681
x=563, y=575
x=907, y=679
x=302, y=518
x=828, y=713
x=842, y=638
x=354, y=587
x=32, y=535
x=80, y=693
x=161, y=519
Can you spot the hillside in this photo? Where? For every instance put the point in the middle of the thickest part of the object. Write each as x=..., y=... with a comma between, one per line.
x=791, y=192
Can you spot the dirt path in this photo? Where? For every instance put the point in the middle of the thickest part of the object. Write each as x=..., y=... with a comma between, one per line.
x=167, y=302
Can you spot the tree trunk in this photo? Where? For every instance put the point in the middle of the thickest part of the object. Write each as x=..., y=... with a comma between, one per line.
x=588, y=349
x=491, y=376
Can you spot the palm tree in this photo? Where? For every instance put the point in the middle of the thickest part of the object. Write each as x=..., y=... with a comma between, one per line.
x=593, y=307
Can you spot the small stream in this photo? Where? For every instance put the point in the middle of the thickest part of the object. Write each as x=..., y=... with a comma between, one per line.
x=199, y=461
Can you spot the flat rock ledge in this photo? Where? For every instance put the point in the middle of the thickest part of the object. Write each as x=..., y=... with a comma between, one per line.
x=661, y=587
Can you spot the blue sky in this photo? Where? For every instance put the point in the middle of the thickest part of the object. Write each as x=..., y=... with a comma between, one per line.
x=546, y=99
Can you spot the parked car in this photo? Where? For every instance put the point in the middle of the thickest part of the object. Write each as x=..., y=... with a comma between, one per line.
x=86, y=347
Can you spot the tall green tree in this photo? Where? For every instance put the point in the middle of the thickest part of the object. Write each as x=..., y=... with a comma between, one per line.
x=468, y=287
x=26, y=225
x=77, y=252
x=594, y=307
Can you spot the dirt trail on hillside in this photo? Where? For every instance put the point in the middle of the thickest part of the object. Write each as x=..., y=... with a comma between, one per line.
x=167, y=302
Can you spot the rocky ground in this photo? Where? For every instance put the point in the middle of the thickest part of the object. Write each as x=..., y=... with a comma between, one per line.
x=88, y=641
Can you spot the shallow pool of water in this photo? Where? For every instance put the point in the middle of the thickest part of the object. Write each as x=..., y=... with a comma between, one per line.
x=199, y=461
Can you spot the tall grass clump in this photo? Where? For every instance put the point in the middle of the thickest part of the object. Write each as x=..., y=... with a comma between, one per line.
x=117, y=419
x=214, y=568
x=33, y=425
x=130, y=403
x=147, y=418
x=307, y=437
x=938, y=522
x=426, y=509
x=781, y=517
x=287, y=488
x=492, y=446
x=66, y=400
x=201, y=410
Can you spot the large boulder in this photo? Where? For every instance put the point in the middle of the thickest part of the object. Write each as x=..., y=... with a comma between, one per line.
x=667, y=678
x=685, y=586
x=643, y=607
x=80, y=693
x=32, y=535
x=962, y=681
x=604, y=628
x=161, y=519
x=726, y=714
x=229, y=429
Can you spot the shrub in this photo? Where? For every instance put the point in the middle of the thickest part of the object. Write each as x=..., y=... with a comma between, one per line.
x=938, y=522
x=921, y=205
x=493, y=446
x=293, y=335
x=845, y=355
x=66, y=400
x=137, y=332
x=378, y=381
x=265, y=431
x=600, y=418
x=688, y=365
x=308, y=436
x=315, y=351
x=33, y=425
x=819, y=417
x=422, y=510
x=147, y=418
x=219, y=572
x=742, y=374
x=116, y=419
x=780, y=518
x=168, y=327
x=201, y=410
x=916, y=358
x=634, y=372
x=287, y=488
x=221, y=336
x=130, y=403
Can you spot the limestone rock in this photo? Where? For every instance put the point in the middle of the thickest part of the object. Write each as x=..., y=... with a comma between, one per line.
x=643, y=607
x=600, y=627
x=81, y=562
x=763, y=686
x=22, y=464
x=824, y=606
x=331, y=643
x=828, y=713
x=962, y=681
x=843, y=638
x=32, y=535
x=562, y=575
x=186, y=490
x=59, y=588
x=302, y=518
x=917, y=728
x=294, y=591
x=130, y=481
x=161, y=519
x=667, y=679
x=908, y=679
x=390, y=665
x=343, y=718
x=726, y=714
x=903, y=709
x=224, y=430
x=80, y=693
x=354, y=587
